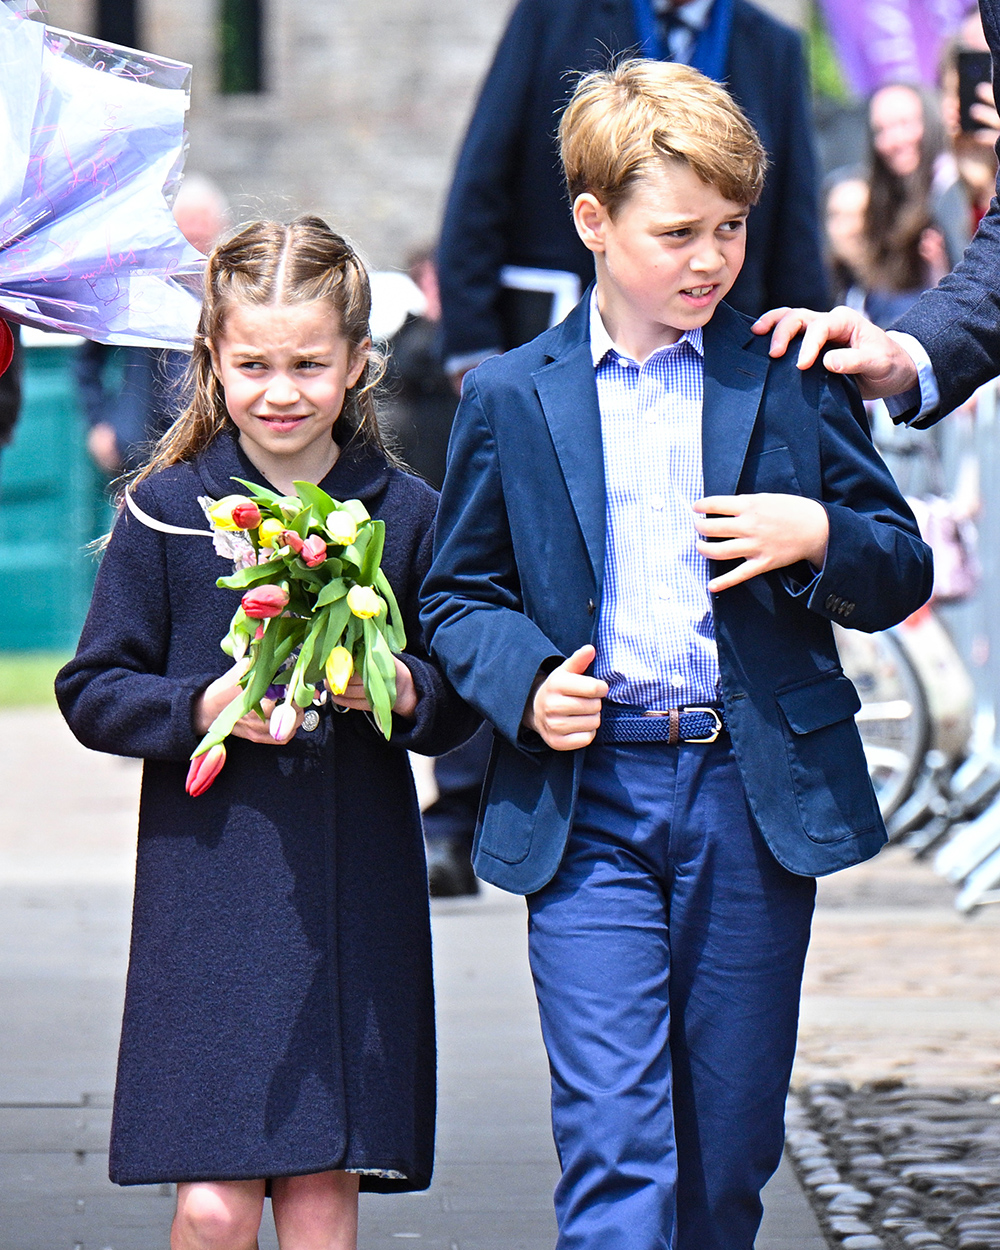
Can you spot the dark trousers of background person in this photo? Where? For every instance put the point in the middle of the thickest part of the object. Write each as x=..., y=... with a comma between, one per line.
x=667, y=954
x=450, y=823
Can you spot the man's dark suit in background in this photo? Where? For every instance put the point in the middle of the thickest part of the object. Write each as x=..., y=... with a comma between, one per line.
x=508, y=205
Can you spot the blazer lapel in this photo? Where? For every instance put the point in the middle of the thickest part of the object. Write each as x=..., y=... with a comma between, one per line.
x=569, y=401
x=734, y=385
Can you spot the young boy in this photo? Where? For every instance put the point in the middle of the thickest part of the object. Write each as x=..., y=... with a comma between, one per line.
x=646, y=529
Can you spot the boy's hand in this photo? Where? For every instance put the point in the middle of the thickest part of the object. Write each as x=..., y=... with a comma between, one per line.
x=764, y=531
x=566, y=707
x=354, y=696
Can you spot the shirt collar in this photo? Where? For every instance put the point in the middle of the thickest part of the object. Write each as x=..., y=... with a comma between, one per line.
x=694, y=13
x=601, y=341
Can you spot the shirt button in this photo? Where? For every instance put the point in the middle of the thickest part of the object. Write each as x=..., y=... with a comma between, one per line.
x=676, y=680
x=656, y=503
x=663, y=591
x=650, y=418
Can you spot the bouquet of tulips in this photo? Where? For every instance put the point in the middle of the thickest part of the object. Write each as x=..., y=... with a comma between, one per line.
x=316, y=604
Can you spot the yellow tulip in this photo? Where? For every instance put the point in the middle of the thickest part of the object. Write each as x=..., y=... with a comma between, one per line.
x=339, y=667
x=342, y=528
x=222, y=510
x=270, y=532
x=363, y=601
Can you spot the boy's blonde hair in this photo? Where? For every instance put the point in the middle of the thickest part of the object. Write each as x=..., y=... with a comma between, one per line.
x=621, y=121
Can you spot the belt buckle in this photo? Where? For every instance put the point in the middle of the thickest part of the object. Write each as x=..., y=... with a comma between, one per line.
x=714, y=713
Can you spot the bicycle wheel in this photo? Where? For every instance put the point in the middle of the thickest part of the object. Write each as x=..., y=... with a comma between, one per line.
x=894, y=722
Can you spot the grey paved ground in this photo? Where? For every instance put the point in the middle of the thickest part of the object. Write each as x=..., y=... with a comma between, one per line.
x=64, y=898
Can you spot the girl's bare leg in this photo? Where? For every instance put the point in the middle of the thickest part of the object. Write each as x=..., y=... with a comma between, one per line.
x=317, y=1212
x=217, y=1215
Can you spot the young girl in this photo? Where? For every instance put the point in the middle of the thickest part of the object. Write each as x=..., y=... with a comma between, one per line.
x=278, y=1033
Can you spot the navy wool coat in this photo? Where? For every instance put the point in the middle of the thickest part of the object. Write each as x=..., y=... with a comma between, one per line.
x=279, y=1015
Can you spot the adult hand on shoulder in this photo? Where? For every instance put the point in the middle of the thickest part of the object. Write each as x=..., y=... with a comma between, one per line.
x=354, y=696
x=877, y=362
x=221, y=692
x=565, y=709
x=764, y=531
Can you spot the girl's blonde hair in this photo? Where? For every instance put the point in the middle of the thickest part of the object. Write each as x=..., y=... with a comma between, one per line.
x=265, y=263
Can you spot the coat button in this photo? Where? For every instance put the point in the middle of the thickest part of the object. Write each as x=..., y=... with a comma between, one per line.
x=591, y=607
x=831, y=603
x=310, y=721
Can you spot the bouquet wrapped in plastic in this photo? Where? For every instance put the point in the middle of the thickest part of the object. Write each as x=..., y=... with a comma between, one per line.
x=91, y=153
x=315, y=605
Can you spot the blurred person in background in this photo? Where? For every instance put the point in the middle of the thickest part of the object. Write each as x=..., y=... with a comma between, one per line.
x=420, y=409
x=904, y=251
x=967, y=201
x=128, y=413
x=846, y=203
x=510, y=260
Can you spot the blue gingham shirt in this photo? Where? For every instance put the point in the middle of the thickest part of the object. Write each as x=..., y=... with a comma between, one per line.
x=655, y=633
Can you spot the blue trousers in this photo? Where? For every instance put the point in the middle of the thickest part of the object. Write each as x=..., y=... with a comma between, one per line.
x=667, y=954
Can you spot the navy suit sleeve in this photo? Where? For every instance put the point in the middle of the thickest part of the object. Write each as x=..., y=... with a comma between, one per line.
x=795, y=274
x=442, y=721
x=473, y=611
x=114, y=692
x=877, y=569
x=956, y=321
x=471, y=249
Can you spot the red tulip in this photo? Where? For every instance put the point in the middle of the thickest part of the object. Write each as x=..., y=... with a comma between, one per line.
x=313, y=551
x=290, y=539
x=204, y=770
x=246, y=516
x=263, y=602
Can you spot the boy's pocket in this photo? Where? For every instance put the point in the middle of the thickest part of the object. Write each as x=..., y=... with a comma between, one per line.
x=826, y=759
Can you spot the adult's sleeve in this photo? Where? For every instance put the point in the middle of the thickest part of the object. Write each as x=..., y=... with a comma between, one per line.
x=473, y=613
x=877, y=569
x=115, y=693
x=957, y=321
x=472, y=247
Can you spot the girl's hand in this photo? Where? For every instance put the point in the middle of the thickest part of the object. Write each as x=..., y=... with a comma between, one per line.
x=354, y=696
x=221, y=693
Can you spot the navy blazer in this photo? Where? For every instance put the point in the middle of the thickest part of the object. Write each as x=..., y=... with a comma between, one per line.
x=957, y=322
x=518, y=571
x=508, y=204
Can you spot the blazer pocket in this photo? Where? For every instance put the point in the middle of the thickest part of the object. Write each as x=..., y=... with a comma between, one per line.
x=514, y=790
x=826, y=759
x=770, y=472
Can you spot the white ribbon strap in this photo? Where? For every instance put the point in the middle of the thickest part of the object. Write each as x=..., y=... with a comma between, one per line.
x=162, y=526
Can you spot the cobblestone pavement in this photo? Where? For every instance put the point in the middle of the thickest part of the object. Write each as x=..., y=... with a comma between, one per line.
x=905, y=1168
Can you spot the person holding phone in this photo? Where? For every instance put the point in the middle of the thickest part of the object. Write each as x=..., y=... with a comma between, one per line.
x=940, y=351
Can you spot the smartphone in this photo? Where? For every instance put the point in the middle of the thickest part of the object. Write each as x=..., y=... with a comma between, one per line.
x=973, y=68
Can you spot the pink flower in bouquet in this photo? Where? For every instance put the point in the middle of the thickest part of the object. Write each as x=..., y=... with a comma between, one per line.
x=246, y=516
x=289, y=538
x=313, y=551
x=204, y=770
x=263, y=602
x=281, y=726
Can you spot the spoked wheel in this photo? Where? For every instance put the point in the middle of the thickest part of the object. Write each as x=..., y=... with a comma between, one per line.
x=894, y=721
